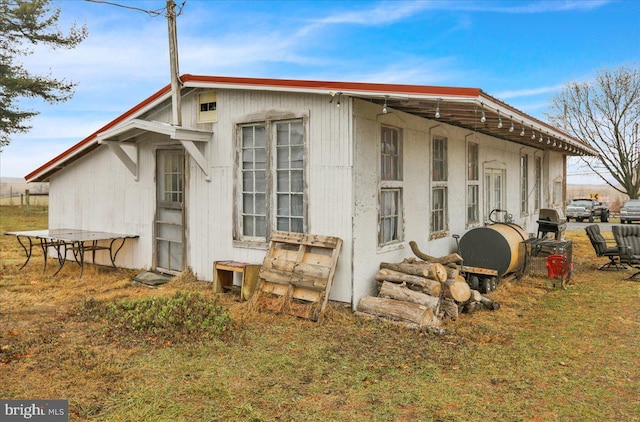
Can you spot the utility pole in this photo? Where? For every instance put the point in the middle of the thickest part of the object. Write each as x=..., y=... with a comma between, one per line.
x=173, y=61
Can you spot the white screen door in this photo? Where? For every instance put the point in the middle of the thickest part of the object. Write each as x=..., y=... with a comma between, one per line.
x=170, y=210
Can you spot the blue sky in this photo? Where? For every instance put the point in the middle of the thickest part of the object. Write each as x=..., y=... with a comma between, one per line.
x=521, y=52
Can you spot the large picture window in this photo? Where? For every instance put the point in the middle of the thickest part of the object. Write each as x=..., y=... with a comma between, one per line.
x=390, y=206
x=272, y=179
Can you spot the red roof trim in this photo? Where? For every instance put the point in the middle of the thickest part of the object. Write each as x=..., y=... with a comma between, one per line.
x=336, y=86
x=91, y=137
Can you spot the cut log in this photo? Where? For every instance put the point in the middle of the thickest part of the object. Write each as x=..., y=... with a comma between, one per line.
x=486, y=303
x=444, y=260
x=397, y=310
x=398, y=292
x=449, y=309
x=452, y=273
x=427, y=269
x=471, y=307
x=456, y=290
x=490, y=304
x=435, y=271
x=417, y=252
x=452, y=258
x=403, y=324
x=476, y=296
x=426, y=285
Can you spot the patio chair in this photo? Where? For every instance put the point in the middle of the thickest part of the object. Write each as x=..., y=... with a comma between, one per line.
x=604, y=247
x=628, y=241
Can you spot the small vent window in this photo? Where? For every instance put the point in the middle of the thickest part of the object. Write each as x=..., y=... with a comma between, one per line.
x=208, y=111
x=208, y=107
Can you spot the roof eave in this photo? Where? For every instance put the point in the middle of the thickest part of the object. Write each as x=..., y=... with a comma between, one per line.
x=370, y=91
x=42, y=173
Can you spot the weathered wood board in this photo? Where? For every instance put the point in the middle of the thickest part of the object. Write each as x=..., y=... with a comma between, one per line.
x=297, y=273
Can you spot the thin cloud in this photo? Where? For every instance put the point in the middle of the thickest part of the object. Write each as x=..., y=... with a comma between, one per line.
x=383, y=13
x=520, y=8
x=411, y=71
x=556, y=6
x=529, y=92
x=391, y=12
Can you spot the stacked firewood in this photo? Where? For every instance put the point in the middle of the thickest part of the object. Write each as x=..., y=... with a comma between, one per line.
x=422, y=293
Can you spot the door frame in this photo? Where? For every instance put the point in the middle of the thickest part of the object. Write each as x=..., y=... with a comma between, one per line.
x=183, y=220
x=488, y=193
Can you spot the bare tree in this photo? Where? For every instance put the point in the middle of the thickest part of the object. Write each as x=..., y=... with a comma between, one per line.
x=605, y=113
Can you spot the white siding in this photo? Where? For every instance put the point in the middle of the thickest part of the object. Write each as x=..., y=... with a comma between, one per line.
x=328, y=178
x=98, y=193
x=417, y=132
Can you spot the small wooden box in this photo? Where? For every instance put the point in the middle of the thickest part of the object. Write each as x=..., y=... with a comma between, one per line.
x=223, y=277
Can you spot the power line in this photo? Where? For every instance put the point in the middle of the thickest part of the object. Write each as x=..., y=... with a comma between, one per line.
x=152, y=13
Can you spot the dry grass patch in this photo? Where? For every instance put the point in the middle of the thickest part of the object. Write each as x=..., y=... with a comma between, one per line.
x=545, y=355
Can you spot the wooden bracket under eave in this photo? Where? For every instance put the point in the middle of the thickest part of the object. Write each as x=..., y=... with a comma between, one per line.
x=131, y=165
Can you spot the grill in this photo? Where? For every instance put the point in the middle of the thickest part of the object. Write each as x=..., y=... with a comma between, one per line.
x=549, y=221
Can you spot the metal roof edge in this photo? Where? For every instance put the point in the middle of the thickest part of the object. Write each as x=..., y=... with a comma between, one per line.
x=326, y=86
x=531, y=121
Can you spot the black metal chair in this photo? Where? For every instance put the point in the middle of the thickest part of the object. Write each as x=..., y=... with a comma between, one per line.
x=602, y=248
x=628, y=241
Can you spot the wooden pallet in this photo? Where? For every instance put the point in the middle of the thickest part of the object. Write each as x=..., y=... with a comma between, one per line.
x=297, y=273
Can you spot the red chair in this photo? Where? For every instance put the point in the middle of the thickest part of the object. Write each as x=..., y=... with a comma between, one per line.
x=558, y=267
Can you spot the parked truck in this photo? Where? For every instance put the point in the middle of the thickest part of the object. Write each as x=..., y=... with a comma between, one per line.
x=589, y=209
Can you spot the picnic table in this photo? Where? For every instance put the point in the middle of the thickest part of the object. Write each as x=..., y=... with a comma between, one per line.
x=77, y=241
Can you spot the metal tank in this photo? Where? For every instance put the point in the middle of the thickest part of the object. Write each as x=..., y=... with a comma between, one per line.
x=495, y=247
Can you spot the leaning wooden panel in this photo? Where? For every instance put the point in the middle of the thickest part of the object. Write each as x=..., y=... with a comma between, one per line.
x=297, y=274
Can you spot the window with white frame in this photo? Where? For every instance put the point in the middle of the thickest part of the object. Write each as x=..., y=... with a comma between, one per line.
x=439, y=209
x=271, y=179
x=439, y=177
x=473, y=184
x=537, y=202
x=524, y=184
x=390, y=207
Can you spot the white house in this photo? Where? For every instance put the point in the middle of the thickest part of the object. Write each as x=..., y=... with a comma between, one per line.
x=377, y=165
